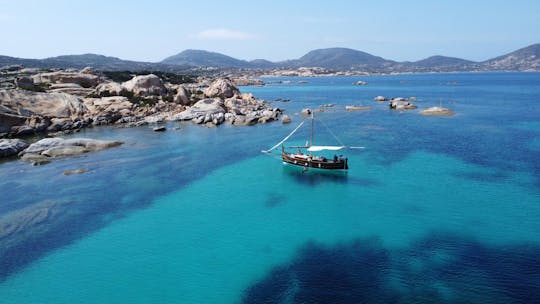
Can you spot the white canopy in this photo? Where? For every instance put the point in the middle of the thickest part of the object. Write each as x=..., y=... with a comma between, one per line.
x=321, y=148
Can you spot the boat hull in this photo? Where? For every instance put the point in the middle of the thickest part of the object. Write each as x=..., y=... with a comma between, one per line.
x=310, y=162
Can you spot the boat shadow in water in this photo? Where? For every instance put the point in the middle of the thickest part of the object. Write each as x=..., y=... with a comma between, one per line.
x=318, y=176
x=274, y=199
x=314, y=176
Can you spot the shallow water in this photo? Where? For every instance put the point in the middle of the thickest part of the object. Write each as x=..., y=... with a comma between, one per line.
x=435, y=209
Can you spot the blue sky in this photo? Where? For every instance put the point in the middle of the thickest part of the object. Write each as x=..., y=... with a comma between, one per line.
x=274, y=30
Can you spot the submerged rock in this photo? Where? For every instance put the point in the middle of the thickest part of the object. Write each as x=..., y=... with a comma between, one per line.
x=357, y=108
x=26, y=224
x=76, y=171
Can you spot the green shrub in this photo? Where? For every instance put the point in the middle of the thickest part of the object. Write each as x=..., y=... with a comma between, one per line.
x=121, y=76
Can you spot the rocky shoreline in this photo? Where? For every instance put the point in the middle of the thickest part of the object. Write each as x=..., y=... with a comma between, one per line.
x=39, y=102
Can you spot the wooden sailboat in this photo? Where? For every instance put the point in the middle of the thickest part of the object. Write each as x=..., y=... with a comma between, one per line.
x=310, y=155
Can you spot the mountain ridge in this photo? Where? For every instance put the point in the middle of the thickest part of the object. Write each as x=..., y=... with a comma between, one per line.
x=204, y=58
x=100, y=62
x=338, y=59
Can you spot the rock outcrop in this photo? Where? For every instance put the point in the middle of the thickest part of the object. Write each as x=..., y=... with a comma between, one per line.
x=85, y=80
x=285, y=119
x=109, y=88
x=70, y=88
x=244, y=81
x=73, y=100
x=401, y=104
x=223, y=88
x=26, y=83
x=203, y=108
x=11, y=147
x=437, y=111
x=108, y=110
x=306, y=112
x=27, y=103
x=9, y=122
x=145, y=85
x=41, y=151
x=182, y=96
x=103, y=104
x=237, y=109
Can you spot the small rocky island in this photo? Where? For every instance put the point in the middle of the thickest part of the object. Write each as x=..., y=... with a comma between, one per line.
x=437, y=111
x=401, y=103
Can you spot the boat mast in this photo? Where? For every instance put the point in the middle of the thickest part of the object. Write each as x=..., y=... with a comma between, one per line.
x=311, y=137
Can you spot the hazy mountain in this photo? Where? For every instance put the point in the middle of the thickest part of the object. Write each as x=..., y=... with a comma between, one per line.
x=6, y=60
x=200, y=58
x=437, y=64
x=96, y=61
x=340, y=59
x=99, y=62
x=439, y=61
x=525, y=59
x=262, y=64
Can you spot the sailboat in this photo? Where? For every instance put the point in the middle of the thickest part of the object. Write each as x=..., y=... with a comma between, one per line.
x=310, y=155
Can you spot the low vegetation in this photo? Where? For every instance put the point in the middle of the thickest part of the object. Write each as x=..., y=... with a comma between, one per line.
x=121, y=76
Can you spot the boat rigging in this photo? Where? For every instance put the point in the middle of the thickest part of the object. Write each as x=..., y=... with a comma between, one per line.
x=303, y=156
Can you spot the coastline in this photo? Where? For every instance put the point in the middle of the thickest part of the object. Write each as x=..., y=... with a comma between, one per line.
x=46, y=103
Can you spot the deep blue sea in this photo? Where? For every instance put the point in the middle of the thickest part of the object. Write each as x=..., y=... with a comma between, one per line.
x=433, y=210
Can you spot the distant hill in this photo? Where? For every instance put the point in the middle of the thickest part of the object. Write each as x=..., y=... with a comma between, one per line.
x=6, y=60
x=438, y=64
x=99, y=62
x=337, y=59
x=524, y=59
x=340, y=59
x=200, y=58
x=262, y=64
x=439, y=61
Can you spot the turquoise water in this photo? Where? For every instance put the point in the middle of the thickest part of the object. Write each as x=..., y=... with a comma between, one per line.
x=435, y=209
